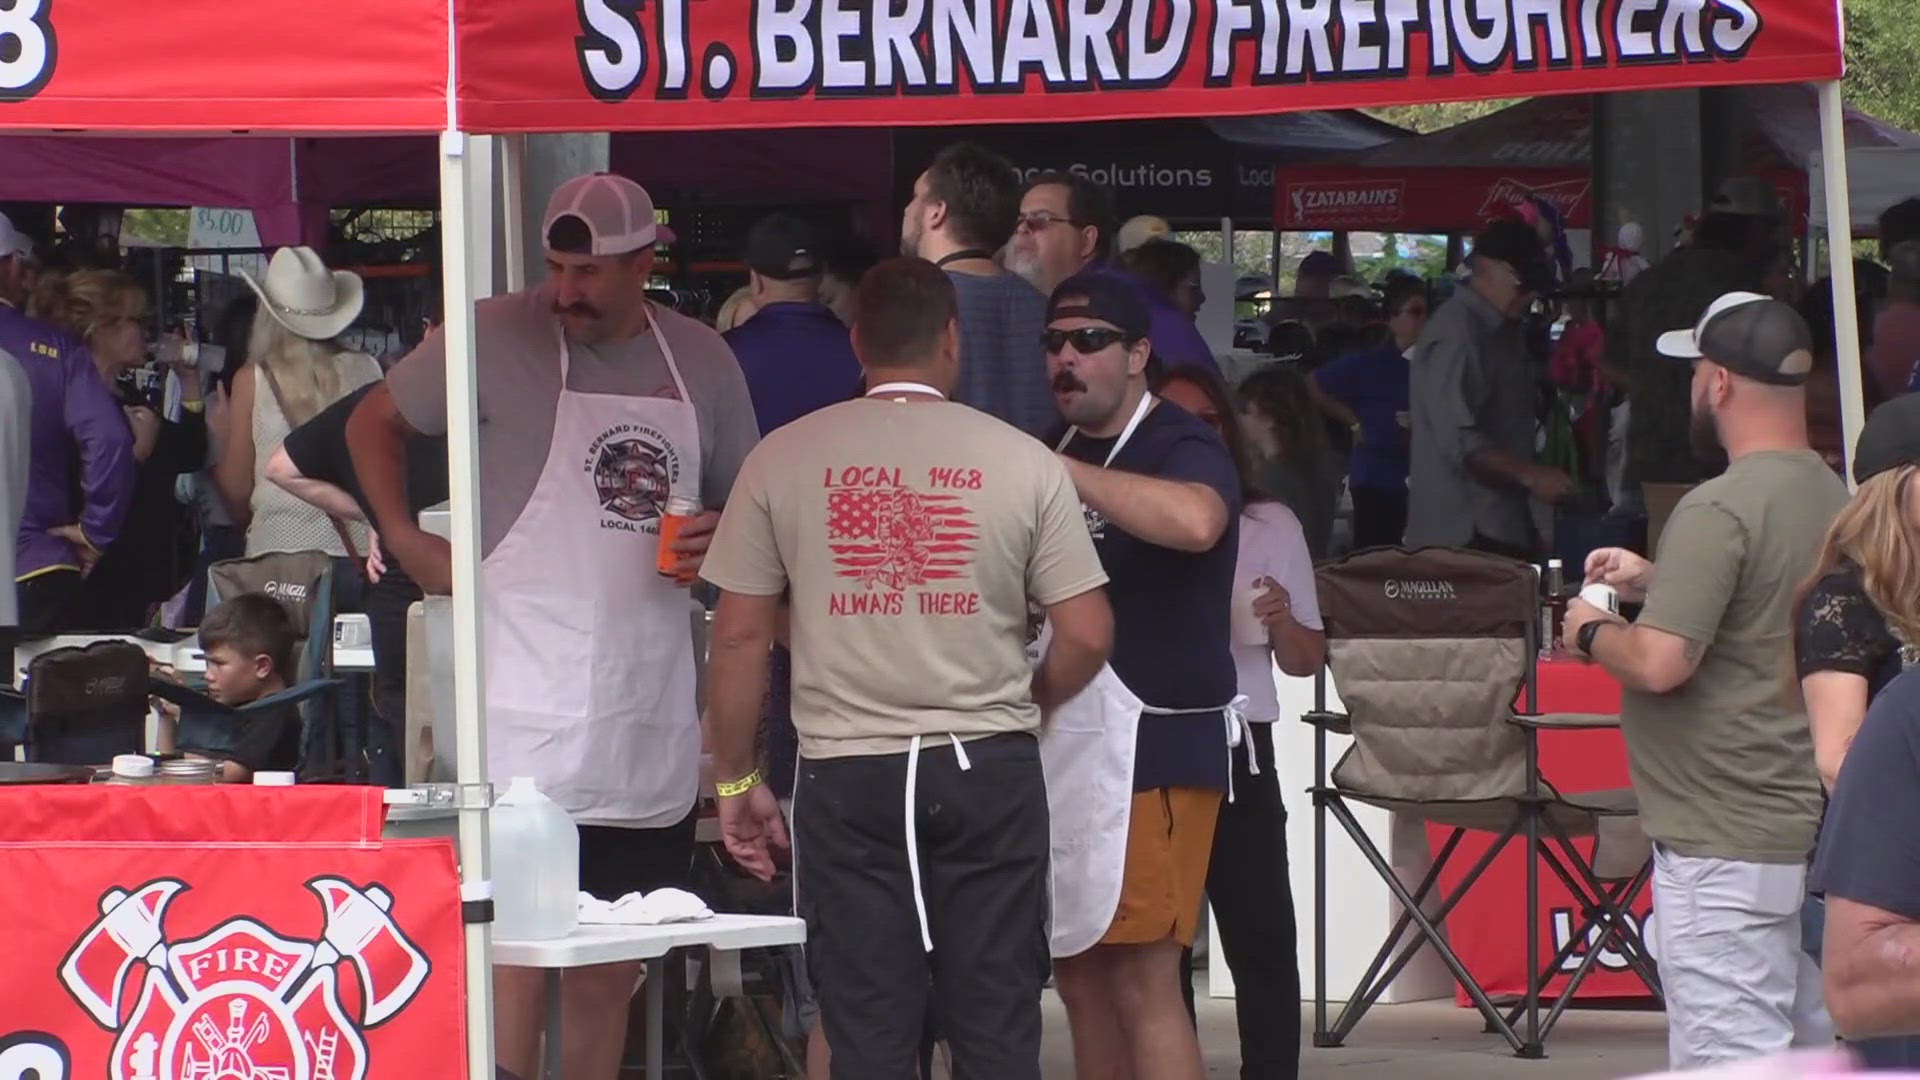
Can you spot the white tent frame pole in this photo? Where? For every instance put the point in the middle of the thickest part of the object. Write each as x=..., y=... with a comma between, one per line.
x=457, y=221
x=513, y=192
x=1846, y=320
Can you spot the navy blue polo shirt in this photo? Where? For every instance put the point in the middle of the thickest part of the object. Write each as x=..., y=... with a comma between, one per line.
x=1172, y=644
x=797, y=358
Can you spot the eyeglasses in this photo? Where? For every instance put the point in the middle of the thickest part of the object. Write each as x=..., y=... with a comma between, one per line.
x=1086, y=341
x=1041, y=220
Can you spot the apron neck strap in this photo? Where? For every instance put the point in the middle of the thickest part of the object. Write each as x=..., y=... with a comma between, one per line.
x=659, y=339
x=905, y=387
x=1139, y=413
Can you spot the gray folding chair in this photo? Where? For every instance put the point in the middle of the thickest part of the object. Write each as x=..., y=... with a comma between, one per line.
x=82, y=705
x=1429, y=649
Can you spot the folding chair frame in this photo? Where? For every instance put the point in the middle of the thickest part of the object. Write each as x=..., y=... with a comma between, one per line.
x=1602, y=906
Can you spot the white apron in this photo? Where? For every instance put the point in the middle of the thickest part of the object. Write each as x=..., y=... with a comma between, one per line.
x=590, y=661
x=1086, y=753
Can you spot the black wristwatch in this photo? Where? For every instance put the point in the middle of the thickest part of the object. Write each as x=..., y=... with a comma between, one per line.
x=1583, y=640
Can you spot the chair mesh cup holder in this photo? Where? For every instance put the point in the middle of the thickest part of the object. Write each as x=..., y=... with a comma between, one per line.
x=1430, y=649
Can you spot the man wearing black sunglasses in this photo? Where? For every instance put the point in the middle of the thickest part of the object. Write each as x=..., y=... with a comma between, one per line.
x=1162, y=500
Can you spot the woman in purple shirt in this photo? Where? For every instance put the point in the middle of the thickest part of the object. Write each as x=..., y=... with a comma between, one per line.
x=1369, y=392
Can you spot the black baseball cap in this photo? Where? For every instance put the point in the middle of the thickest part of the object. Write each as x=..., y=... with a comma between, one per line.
x=1519, y=246
x=1751, y=335
x=1103, y=296
x=783, y=247
x=1318, y=264
x=1890, y=439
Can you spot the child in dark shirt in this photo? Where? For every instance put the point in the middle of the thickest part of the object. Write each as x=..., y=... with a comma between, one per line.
x=249, y=643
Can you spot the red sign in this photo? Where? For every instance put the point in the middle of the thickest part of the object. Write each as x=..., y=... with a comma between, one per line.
x=198, y=65
x=1422, y=200
x=625, y=65
x=597, y=65
x=214, y=933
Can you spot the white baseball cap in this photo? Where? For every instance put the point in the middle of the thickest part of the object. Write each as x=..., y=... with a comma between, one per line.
x=617, y=213
x=13, y=241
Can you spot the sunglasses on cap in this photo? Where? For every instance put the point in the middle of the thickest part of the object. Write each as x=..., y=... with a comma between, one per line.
x=1086, y=340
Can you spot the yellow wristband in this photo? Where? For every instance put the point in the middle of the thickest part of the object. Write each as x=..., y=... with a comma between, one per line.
x=194, y=406
x=729, y=788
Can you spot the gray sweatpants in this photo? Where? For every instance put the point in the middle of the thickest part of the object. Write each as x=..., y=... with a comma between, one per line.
x=1727, y=938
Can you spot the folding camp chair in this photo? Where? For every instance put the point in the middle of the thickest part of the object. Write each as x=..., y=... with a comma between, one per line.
x=302, y=583
x=82, y=705
x=1429, y=649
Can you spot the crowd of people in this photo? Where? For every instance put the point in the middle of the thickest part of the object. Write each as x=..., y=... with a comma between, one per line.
x=997, y=691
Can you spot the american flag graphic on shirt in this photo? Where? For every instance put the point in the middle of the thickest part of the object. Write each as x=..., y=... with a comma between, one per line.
x=896, y=537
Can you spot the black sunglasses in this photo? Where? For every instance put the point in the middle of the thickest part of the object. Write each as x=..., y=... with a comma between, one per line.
x=1086, y=340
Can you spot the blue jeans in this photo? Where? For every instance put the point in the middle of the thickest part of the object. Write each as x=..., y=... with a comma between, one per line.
x=1889, y=1053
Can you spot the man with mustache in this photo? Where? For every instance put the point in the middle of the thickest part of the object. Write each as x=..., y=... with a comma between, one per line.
x=1717, y=736
x=1162, y=500
x=597, y=406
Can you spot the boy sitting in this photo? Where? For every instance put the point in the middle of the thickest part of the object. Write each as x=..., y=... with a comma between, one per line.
x=249, y=642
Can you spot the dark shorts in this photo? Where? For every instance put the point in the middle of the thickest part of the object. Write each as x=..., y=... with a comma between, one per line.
x=616, y=861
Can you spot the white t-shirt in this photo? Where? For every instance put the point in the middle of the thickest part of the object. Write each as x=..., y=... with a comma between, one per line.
x=1271, y=545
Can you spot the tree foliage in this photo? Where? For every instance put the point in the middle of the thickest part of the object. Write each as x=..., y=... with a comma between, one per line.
x=1883, y=60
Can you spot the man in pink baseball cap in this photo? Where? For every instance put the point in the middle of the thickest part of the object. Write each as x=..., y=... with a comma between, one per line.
x=598, y=408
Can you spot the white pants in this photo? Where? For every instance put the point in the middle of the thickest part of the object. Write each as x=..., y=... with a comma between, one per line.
x=1727, y=938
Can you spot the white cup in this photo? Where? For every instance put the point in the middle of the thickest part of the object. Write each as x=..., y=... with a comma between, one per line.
x=1247, y=627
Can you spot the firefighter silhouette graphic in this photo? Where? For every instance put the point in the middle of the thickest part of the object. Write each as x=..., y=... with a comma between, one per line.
x=897, y=538
x=241, y=1002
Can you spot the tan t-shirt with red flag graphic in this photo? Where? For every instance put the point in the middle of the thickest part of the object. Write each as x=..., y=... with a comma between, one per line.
x=911, y=535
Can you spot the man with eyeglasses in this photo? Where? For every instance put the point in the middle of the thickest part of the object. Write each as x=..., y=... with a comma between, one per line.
x=1472, y=474
x=962, y=211
x=1066, y=226
x=1162, y=500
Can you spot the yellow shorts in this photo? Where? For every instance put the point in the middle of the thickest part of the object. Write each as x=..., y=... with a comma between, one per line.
x=1169, y=844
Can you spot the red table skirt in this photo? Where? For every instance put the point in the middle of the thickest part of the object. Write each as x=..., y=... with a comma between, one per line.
x=1484, y=927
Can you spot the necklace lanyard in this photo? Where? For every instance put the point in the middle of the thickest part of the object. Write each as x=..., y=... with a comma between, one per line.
x=904, y=388
x=966, y=253
x=1139, y=414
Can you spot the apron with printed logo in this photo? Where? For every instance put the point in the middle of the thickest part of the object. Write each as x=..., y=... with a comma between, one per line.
x=590, y=662
x=1087, y=752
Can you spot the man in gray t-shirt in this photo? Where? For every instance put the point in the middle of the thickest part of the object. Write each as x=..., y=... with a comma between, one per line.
x=599, y=412
x=963, y=210
x=1472, y=454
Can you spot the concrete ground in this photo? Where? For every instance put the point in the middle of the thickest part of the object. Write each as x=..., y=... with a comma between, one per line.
x=1424, y=1041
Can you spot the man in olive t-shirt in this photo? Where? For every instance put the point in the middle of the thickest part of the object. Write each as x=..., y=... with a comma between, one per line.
x=1721, y=755
x=910, y=534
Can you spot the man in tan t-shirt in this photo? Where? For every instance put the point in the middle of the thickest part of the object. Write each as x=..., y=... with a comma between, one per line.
x=909, y=535
x=1716, y=733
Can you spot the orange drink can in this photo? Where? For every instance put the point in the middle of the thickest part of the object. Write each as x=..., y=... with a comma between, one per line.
x=678, y=511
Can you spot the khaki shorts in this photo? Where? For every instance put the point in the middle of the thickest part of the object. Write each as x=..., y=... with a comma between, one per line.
x=1169, y=844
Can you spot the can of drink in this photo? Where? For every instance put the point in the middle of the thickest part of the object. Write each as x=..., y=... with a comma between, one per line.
x=1604, y=597
x=674, y=517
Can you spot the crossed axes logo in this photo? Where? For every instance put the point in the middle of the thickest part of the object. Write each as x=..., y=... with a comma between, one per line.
x=241, y=1002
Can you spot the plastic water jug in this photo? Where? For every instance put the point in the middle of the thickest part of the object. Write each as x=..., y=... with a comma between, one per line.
x=536, y=866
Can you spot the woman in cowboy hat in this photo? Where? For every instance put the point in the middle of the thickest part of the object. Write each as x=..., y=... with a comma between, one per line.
x=298, y=368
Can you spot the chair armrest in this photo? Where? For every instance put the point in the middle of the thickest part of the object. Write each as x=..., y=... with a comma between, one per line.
x=1566, y=721
x=293, y=695
x=1338, y=723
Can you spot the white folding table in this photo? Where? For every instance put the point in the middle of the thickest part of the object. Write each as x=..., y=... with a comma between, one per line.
x=592, y=944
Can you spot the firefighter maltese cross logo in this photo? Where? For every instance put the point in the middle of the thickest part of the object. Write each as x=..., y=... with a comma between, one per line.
x=633, y=469
x=241, y=1002
x=896, y=538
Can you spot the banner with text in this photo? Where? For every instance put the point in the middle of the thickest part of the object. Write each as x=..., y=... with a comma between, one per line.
x=1316, y=197
x=197, y=65
x=629, y=64
x=178, y=933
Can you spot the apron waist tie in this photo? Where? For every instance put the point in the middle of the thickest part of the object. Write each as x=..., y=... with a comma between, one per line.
x=913, y=832
x=1239, y=729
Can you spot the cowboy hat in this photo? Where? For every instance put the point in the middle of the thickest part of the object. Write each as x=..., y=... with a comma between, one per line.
x=305, y=297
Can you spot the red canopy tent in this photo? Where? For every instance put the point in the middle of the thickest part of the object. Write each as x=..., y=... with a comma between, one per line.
x=492, y=66
x=1457, y=179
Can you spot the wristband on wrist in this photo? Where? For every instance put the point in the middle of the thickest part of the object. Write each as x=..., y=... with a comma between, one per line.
x=1584, y=639
x=730, y=788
